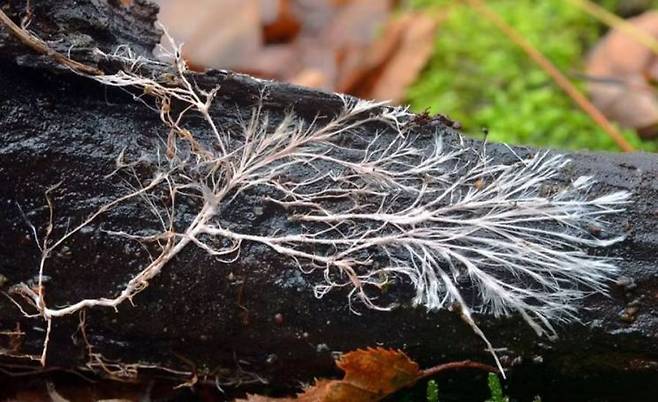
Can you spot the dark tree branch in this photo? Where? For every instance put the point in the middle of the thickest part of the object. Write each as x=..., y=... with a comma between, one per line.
x=256, y=317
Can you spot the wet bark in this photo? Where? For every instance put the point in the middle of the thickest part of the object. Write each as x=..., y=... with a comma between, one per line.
x=257, y=315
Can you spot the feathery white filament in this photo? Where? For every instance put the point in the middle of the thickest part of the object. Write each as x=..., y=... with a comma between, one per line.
x=368, y=207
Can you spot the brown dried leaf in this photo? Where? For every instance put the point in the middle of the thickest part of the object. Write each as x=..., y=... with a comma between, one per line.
x=370, y=375
x=321, y=43
x=380, y=371
x=362, y=74
x=280, y=24
x=394, y=60
x=620, y=72
x=414, y=42
x=220, y=34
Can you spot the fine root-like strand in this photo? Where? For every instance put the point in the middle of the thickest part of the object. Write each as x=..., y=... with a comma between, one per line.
x=38, y=45
x=369, y=201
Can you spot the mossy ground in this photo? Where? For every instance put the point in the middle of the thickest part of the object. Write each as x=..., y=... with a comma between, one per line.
x=480, y=78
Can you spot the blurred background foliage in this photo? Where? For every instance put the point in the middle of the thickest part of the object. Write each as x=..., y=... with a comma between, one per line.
x=443, y=56
x=483, y=80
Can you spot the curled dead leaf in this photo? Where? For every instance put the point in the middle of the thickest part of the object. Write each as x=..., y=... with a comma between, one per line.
x=370, y=375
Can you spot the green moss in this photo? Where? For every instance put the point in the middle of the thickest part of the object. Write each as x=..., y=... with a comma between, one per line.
x=432, y=391
x=496, y=389
x=480, y=78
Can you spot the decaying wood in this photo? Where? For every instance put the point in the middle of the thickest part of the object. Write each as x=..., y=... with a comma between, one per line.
x=255, y=319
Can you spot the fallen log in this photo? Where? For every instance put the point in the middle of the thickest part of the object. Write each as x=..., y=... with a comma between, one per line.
x=105, y=176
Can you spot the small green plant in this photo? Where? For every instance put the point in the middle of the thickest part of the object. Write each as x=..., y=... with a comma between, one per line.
x=496, y=389
x=432, y=391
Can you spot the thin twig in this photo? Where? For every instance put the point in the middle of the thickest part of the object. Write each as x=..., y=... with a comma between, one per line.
x=41, y=47
x=464, y=364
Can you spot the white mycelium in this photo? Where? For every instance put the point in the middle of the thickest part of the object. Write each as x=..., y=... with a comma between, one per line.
x=369, y=207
